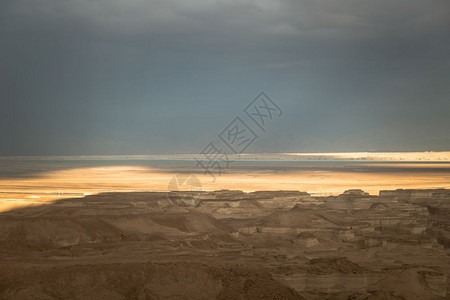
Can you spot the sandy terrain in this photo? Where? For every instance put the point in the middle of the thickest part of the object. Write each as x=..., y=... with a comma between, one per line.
x=229, y=245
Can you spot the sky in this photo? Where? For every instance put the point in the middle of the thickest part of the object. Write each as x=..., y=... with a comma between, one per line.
x=81, y=77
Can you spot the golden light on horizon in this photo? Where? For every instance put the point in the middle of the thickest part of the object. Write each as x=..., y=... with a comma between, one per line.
x=80, y=182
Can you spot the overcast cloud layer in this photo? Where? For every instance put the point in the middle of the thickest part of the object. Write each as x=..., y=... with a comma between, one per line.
x=154, y=77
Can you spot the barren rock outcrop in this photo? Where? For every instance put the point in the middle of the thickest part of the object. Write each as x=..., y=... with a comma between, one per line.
x=229, y=244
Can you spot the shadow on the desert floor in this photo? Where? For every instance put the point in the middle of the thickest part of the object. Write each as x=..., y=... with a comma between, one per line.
x=228, y=244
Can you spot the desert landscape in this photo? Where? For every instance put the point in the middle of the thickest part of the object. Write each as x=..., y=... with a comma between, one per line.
x=231, y=150
x=229, y=244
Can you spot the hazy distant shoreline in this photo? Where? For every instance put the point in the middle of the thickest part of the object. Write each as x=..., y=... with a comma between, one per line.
x=336, y=156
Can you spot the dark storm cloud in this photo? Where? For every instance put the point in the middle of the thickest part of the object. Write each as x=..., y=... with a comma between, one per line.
x=112, y=77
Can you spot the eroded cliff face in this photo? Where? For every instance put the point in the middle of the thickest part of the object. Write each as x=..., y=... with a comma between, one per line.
x=230, y=244
x=437, y=204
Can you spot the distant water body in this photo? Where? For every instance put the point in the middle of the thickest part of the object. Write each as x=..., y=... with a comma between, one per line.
x=30, y=166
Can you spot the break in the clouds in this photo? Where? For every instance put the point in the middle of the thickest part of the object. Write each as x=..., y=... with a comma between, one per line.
x=138, y=77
